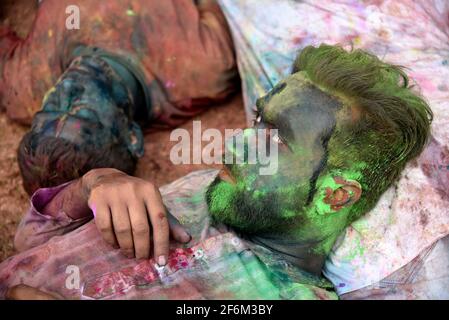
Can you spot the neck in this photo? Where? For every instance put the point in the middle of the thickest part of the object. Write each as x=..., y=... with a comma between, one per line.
x=300, y=253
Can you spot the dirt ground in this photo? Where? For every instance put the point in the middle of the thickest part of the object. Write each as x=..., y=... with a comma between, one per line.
x=154, y=166
x=13, y=199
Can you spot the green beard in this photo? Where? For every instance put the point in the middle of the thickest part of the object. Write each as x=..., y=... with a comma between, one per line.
x=251, y=212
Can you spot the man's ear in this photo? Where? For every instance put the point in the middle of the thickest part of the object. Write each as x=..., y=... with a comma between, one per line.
x=135, y=140
x=343, y=194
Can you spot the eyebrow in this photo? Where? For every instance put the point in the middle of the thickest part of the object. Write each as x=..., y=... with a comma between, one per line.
x=276, y=90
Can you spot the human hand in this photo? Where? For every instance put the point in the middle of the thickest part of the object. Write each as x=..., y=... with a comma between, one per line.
x=128, y=210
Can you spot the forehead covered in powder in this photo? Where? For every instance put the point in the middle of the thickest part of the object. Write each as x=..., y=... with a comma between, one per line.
x=301, y=110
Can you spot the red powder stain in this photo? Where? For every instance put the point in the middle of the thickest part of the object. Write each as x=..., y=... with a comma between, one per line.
x=144, y=273
x=297, y=40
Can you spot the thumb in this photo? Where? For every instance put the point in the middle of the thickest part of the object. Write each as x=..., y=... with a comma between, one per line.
x=177, y=230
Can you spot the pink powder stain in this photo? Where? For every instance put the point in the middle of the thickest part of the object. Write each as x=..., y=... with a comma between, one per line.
x=328, y=18
x=424, y=82
x=94, y=210
x=170, y=84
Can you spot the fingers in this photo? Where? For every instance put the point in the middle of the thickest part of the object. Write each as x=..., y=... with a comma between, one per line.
x=158, y=217
x=122, y=228
x=140, y=229
x=177, y=231
x=103, y=221
x=128, y=211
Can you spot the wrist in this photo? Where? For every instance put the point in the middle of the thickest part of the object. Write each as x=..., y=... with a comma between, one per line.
x=93, y=178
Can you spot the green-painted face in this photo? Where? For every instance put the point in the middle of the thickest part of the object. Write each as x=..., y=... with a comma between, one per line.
x=295, y=201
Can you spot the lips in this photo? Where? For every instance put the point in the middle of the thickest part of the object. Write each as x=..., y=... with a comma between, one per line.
x=226, y=175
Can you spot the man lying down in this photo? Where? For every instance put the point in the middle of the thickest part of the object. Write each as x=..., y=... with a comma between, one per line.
x=400, y=248
x=347, y=125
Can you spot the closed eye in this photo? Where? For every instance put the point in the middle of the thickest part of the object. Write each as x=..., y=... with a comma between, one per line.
x=257, y=117
x=278, y=139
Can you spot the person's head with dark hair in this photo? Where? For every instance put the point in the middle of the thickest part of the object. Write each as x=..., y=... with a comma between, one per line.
x=86, y=122
x=47, y=161
x=347, y=125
